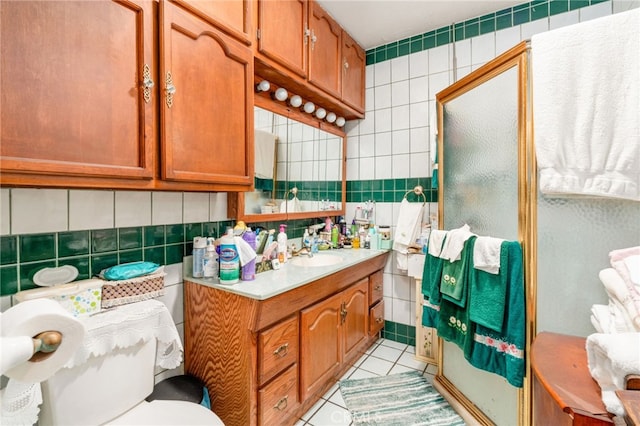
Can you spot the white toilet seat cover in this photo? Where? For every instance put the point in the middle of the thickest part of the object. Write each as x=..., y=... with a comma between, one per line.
x=168, y=413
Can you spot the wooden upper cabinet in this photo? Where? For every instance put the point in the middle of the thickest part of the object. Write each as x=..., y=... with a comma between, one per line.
x=206, y=96
x=353, y=69
x=282, y=33
x=232, y=16
x=73, y=96
x=325, y=51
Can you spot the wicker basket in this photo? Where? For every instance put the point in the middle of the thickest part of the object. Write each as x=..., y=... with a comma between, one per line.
x=122, y=292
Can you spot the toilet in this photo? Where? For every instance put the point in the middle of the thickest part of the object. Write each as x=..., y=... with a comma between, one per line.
x=111, y=388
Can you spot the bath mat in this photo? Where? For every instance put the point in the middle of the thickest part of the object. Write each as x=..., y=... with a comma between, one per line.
x=404, y=399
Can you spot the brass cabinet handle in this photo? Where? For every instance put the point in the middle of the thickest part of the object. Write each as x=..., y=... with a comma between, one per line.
x=282, y=404
x=147, y=83
x=379, y=320
x=346, y=65
x=170, y=89
x=343, y=312
x=282, y=350
x=306, y=35
x=378, y=287
x=313, y=39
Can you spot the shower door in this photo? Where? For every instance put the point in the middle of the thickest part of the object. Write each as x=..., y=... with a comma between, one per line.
x=484, y=176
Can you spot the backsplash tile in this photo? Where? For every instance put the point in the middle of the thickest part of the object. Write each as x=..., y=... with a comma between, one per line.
x=8, y=250
x=90, y=209
x=5, y=212
x=34, y=211
x=37, y=247
x=73, y=243
x=129, y=238
x=132, y=208
x=104, y=240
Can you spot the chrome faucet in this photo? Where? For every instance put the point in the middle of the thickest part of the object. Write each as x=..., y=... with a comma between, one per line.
x=304, y=251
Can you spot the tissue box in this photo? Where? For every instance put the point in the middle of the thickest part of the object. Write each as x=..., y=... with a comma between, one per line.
x=122, y=292
x=386, y=244
x=79, y=298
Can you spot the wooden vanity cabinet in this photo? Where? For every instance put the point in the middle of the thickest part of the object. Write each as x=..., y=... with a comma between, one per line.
x=124, y=95
x=376, y=303
x=266, y=362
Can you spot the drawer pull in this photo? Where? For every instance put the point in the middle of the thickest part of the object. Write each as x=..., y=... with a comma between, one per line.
x=378, y=287
x=282, y=404
x=379, y=320
x=282, y=350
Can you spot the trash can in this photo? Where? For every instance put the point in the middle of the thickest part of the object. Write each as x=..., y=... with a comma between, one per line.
x=182, y=388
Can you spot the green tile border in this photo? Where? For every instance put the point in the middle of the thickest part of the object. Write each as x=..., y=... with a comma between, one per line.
x=389, y=190
x=505, y=18
x=401, y=333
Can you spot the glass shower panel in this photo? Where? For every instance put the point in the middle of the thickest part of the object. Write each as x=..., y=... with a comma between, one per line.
x=481, y=158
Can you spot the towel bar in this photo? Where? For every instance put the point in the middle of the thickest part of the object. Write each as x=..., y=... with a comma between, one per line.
x=418, y=190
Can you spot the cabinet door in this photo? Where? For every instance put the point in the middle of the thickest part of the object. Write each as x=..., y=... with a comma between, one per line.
x=355, y=321
x=73, y=95
x=207, y=102
x=232, y=16
x=353, y=77
x=325, y=57
x=282, y=36
x=320, y=348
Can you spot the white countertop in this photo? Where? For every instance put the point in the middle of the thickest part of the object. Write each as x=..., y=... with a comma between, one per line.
x=289, y=276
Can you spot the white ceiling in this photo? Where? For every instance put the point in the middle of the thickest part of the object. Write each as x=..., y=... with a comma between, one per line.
x=374, y=23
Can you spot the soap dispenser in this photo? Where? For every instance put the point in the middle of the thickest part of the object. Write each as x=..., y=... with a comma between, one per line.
x=282, y=244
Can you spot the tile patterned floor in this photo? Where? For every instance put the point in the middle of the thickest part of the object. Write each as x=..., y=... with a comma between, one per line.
x=383, y=357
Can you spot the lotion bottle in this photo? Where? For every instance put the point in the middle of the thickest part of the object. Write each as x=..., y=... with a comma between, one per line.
x=282, y=244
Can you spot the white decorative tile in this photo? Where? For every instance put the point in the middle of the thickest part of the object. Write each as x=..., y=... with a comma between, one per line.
x=353, y=168
x=367, y=145
x=369, y=72
x=538, y=26
x=420, y=165
x=394, y=344
x=400, y=117
x=388, y=309
x=383, y=120
x=383, y=143
x=5, y=211
x=386, y=353
x=166, y=208
x=418, y=89
x=463, y=52
x=383, y=167
x=400, y=142
x=419, y=64
x=402, y=287
x=439, y=59
x=507, y=38
x=382, y=96
x=174, y=274
x=400, y=93
x=419, y=139
x=353, y=146
x=419, y=114
x=564, y=19
x=196, y=207
x=402, y=312
x=400, y=169
x=387, y=284
x=437, y=82
x=624, y=5
x=376, y=365
x=330, y=414
x=461, y=73
x=132, y=208
x=367, y=168
x=595, y=11
x=368, y=124
x=483, y=48
x=382, y=73
x=91, y=210
x=39, y=210
x=369, y=100
x=400, y=68
x=383, y=213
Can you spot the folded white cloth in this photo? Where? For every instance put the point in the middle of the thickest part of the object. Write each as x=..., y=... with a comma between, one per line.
x=600, y=318
x=486, y=254
x=618, y=259
x=265, y=145
x=291, y=206
x=611, y=357
x=454, y=243
x=407, y=230
x=617, y=290
x=586, y=104
x=633, y=265
x=436, y=238
x=246, y=253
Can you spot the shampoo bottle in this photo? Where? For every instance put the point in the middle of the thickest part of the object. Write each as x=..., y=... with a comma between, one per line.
x=229, y=259
x=282, y=244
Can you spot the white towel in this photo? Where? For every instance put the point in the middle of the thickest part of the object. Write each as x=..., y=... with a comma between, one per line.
x=291, y=206
x=265, y=144
x=616, y=289
x=454, y=243
x=600, y=315
x=436, y=238
x=618, y=260
x=611, y=357
x=407, y=230
x=486, y=254
x=633, y=265
x=586, y=104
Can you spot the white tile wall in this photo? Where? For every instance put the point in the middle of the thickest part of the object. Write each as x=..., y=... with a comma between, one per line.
x=412, y=82
x=5, y=212
x=133, y=208
x=39, y=210
x=91, y=210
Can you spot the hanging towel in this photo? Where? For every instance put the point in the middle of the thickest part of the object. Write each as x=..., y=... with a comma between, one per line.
x=265, y=145
x=407, y=230
x=291, y=206
x=455, y=276
x=586, y=104
x=455, y=242
x=436, y=240
x=611, y=357
x=431, y=275
x=487, y=296
x=486, y=254
x=503, y=352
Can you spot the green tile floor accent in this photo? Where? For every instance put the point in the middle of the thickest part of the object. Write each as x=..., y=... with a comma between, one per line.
x=399, y=332
x=506, y=18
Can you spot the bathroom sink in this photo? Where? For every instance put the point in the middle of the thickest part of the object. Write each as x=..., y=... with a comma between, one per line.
x=316, y=260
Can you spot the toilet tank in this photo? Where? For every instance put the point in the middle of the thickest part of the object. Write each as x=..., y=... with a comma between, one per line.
x=101, y=389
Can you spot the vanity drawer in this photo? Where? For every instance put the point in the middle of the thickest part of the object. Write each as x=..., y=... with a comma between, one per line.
x=376, y=318
x=277, y=349
x=375, y=287
x=278, y=399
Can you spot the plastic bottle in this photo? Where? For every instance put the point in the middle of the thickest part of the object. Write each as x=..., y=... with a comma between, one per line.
x=306, y=239
x=210, y=261
x=282, y=244
x=229, y=259
x=334, y=236
x=199, y=248
x=248, y=272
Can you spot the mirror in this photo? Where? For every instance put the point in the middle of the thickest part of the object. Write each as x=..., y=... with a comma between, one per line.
x=299, y=168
